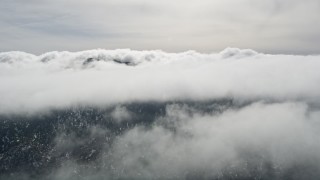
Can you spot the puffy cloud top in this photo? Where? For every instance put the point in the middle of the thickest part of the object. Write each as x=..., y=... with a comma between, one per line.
x=31, y=83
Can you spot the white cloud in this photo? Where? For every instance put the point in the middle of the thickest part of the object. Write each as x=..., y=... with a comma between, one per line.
x=120, y=114
x=278, y=133
x=32, y=83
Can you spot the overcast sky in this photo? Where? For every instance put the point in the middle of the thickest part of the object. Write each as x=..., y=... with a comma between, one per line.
x=271, y=26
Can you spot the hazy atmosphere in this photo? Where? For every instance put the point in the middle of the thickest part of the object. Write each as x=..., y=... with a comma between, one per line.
x=134, y=89
x=270, y=26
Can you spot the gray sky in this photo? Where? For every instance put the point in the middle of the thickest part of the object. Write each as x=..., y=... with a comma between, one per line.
x=271, y=26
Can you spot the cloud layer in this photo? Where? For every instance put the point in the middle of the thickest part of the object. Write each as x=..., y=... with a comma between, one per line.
x=59, y=79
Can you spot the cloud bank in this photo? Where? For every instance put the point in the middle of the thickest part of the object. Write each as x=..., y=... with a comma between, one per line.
x=124, y=114
x=60, y=79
